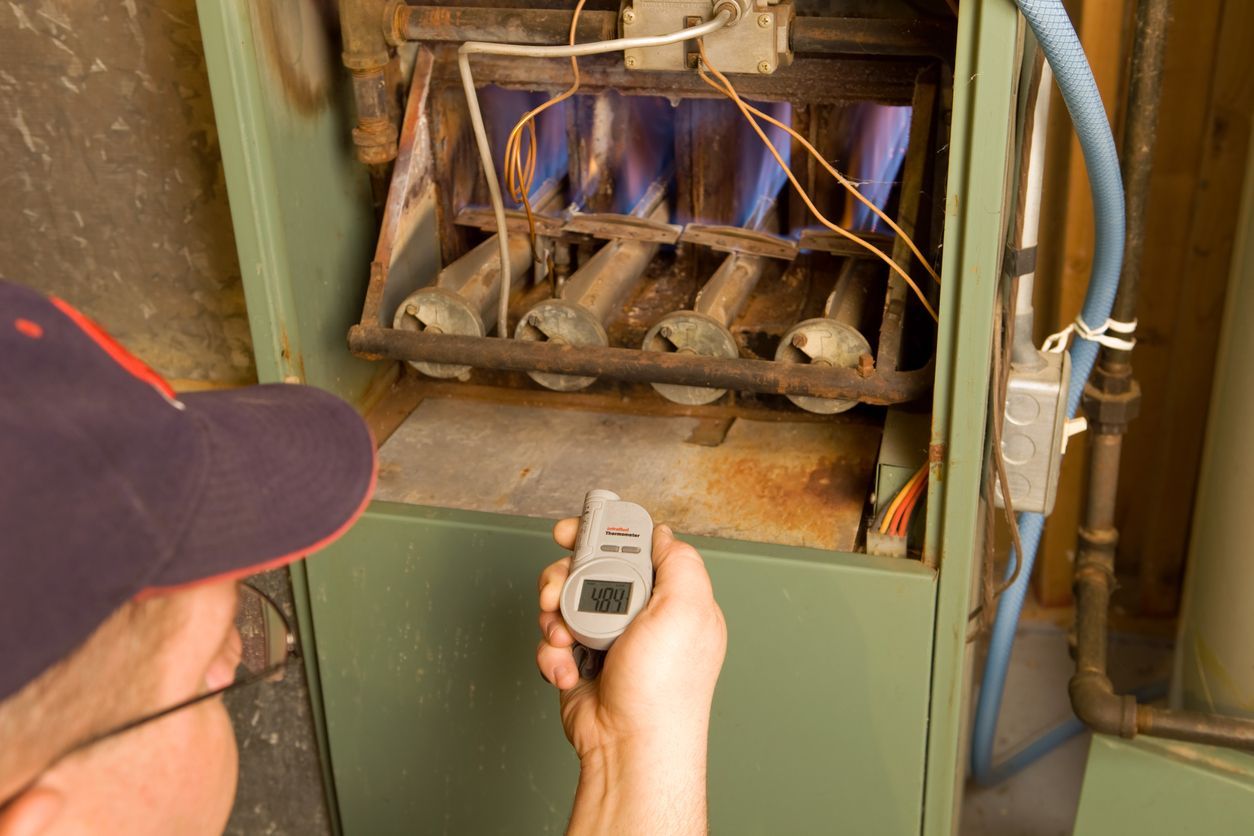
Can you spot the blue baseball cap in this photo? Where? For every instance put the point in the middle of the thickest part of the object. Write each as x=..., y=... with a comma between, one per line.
x=113, y=487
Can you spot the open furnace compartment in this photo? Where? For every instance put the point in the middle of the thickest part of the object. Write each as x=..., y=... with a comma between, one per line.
x=683, y=330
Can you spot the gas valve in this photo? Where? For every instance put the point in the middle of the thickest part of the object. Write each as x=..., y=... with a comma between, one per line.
x=755, y=40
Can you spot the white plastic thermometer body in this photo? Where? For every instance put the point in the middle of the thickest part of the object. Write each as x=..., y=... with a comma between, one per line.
x=611, y=575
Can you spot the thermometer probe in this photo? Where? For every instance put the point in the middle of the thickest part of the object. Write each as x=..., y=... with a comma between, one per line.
x=611, y=574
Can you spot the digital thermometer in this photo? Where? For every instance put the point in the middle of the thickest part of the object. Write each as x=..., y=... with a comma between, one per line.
x=611, y=575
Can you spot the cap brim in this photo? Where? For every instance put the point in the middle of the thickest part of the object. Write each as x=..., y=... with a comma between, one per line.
x=290, y=468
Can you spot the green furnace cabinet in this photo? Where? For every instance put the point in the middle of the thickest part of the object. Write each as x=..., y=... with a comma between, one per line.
x=842, y=703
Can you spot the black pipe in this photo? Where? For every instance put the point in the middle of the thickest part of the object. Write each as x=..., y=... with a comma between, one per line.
x=1140, y=130
x=1111, y=401
x=763, y=376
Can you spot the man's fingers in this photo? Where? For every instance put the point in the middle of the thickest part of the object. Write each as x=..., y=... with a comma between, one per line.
x=678, y=567
x=557, y=665
x=564, y=532
x=551, y=581
x=554, y=630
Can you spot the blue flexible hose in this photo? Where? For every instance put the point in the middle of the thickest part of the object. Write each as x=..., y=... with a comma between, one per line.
x=1048, y=20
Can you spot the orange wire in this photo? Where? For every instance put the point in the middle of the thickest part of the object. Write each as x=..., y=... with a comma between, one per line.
x=519, y=177
x=899, y=498
x=729, y=91
x=899, y=523
x=850, y=186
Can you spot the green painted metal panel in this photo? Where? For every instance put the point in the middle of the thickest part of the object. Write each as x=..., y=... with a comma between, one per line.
x=980, y=146
x=300, y=207
x=300, y=203
x=1152, y=787
x=858, y=685
x=439, y=722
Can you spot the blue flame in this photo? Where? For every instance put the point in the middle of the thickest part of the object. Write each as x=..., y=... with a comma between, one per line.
x=502, y=109
x=646, y=148
x=759, y=176
x=882, y=136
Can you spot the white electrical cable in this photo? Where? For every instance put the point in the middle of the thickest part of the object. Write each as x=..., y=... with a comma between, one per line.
x=469, y=48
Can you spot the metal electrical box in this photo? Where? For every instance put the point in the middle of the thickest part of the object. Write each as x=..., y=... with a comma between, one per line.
x=841, y=704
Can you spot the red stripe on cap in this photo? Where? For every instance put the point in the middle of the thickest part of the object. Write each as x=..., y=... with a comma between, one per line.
x=29, y=329
x=277, y=562
x=138, y=368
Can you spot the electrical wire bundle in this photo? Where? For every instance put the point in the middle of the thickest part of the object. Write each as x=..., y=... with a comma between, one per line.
x=895, y=517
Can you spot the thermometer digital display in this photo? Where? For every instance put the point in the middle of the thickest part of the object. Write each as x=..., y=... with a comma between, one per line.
x=611, y=573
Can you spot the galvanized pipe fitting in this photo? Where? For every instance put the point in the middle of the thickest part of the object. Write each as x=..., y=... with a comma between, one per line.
x=366, y=55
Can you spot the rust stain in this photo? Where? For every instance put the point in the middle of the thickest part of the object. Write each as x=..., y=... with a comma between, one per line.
x=293, y=362
x=936, y=462
x=779, y=495
x=288, y=41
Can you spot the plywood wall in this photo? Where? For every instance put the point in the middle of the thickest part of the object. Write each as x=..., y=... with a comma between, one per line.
x=1199, y=165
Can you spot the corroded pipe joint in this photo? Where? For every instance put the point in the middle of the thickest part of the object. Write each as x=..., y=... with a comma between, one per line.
x=374, y=135
x=1097, y=546
x=1111, y=401
x=1097, y=705
x=395, y=20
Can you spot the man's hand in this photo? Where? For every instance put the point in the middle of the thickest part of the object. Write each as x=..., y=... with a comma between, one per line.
x=640, y=728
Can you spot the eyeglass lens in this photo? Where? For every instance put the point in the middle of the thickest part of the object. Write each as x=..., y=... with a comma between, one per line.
x=264, y=633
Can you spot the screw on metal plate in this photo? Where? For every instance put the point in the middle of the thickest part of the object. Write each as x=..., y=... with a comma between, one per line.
x=764, y=21
x=629, y=16
x=630, y=61
x=764, y=67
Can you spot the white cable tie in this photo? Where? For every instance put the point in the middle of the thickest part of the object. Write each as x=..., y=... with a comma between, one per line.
x=1057, y=343
x=1073, y=426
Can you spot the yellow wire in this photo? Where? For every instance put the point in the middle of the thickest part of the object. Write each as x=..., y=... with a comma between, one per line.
x=901, y=495
x=728, y=90
x=519, y=177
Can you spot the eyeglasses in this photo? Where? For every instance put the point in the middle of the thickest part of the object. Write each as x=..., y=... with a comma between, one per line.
x=268, y=648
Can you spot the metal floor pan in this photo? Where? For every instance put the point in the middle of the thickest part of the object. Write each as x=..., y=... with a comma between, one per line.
x=796, y=484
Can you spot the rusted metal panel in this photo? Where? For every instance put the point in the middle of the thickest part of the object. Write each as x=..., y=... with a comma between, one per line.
x=609, y=226
x=810, y=35
x=734, y=239
x=910, y=206
x=402, y=247
x=835, y=81
x=802, y=483
x=825, y=241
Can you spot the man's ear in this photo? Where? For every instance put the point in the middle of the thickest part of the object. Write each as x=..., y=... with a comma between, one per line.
x=31, y=813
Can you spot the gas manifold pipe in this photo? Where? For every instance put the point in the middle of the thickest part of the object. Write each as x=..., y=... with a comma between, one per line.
x=593, y=294
x=832, y=339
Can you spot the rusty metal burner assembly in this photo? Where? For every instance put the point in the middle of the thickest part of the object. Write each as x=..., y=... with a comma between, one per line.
x=666, y=243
